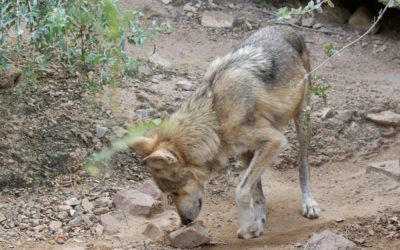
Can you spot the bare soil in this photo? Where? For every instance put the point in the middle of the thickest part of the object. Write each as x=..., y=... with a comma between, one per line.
x=49, y=131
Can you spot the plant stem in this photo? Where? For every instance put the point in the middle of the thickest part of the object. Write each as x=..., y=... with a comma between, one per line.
x=351, y=43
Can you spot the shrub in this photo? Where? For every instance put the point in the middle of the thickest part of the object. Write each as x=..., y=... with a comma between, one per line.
x=79, y=35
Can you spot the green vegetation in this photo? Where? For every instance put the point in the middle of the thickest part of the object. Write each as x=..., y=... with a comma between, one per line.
x=98, y=163
x=319, y=88
x=77, y=35
x=310, y=8
x=330, y=49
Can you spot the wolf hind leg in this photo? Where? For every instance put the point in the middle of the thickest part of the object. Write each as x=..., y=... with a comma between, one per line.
x=310, y=208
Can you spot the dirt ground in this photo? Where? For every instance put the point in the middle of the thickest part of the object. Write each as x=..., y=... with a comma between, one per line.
x=49, y=131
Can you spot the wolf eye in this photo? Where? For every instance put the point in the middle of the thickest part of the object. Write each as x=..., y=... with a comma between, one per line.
x=175, y=193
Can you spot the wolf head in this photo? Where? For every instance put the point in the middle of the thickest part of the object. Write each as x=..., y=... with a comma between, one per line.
x=183, y=182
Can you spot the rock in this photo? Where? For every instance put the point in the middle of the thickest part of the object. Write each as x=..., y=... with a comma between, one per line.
x=87, y=205
x=88, y=223
x=185, y=85
x=166, y=1
x=145, y=70
x=64, y=207
x=150, y=187
x=389, y=168
x=167, y=222
x=72, y=201
x=345, y=115
x=62, y=215
x=157, y=121
x=9, y=77
x=317, y=26
x=99, y=230
x=361, y=20
x=153, y=232
x=337, y=15
x=329, y=241
x=144, y=113
x=39, y=228
x=151, y=8
x=248, y=25
x=100, y=131
x=189, y=8
x=23, y=226
x=72, y=212
x=327, y=113
x=60, y=239
x=101, y=210
x=385, y=118
x=35, y=222
x=54, y=225
x=119, y=132
x=308, y=21
x=216, y=19
x=136, y=203
x=76, y=222
x=190, y=236
x=110, y=224
x=2, y=217
x=103, y=202
x=157, y=59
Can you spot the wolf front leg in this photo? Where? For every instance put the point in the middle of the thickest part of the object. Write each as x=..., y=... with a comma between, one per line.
x=310, y=208
x=251, y=220
x=258, y=195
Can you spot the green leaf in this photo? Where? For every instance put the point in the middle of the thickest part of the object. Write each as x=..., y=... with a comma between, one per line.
x=112, y=16
x=330, y=3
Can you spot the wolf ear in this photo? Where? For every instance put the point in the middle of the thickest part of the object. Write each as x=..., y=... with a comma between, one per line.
x=142, y=145
x=160, y=158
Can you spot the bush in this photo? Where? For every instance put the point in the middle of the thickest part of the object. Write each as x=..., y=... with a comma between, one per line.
x=79, y=35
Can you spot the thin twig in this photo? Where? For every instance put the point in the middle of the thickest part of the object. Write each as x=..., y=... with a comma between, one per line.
x=309, y=29
x=351, y=43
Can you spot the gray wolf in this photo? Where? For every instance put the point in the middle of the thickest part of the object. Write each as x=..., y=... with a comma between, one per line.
x=244, y=101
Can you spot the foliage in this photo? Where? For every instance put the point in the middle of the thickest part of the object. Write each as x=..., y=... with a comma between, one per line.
x=310, y=8
x=316, y=5
x=330, y=49
x=391, y=3
x=319, y=88
x=79, y=35
x=98, y=162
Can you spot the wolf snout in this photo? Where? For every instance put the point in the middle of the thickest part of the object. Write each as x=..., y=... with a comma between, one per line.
x=186, y=221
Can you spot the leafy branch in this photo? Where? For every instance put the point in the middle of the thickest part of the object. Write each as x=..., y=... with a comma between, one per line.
x=310, y=8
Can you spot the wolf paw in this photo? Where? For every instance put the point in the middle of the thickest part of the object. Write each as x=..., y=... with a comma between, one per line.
x=256, y=229
x=310, y=208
